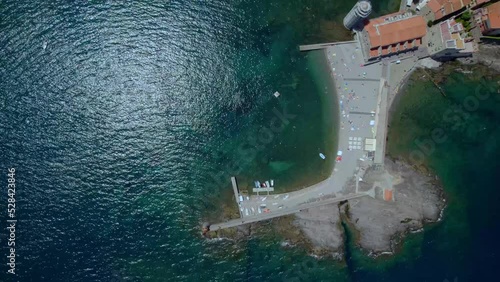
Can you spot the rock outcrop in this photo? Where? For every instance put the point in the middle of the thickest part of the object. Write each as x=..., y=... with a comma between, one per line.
x=418, y=199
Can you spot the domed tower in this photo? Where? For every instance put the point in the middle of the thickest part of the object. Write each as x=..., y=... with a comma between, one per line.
x=358, y=13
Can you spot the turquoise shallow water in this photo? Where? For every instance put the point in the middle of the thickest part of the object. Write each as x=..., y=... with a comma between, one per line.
x=121, y=128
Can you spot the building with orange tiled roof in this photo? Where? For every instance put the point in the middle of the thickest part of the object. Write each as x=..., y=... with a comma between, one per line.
x=477, y=3
x=488, y=19
x=448, y=40
x=436, y=10
x=392, y=34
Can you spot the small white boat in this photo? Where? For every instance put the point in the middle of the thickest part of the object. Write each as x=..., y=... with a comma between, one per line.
x=263, y=199
x=267, y=184
x=253, y=210
x=246, y=212
x=322, y=156
x=276, y=94
x=272, y=182
x=44, y=45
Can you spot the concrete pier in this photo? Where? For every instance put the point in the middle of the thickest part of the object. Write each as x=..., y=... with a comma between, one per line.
x=236, y=192
x=321, y=45
x=282, y=212
x=235, y=189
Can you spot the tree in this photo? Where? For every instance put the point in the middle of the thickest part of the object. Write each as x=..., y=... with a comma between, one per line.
x=466, y=16
x=429, y=23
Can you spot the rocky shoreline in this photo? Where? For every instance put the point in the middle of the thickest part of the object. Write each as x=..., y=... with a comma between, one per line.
x=418, y=199
x=379, y=224
x=488, y=55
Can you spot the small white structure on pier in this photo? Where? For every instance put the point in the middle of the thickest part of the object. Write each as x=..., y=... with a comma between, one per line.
x=358, y=13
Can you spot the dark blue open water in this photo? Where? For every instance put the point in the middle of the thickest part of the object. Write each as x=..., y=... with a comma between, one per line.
x=124, y=130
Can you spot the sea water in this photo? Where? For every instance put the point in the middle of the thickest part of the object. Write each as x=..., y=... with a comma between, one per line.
x=121, y=119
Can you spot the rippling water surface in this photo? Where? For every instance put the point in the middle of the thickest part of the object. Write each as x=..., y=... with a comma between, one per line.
x=123, y=120
x=120, y=117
